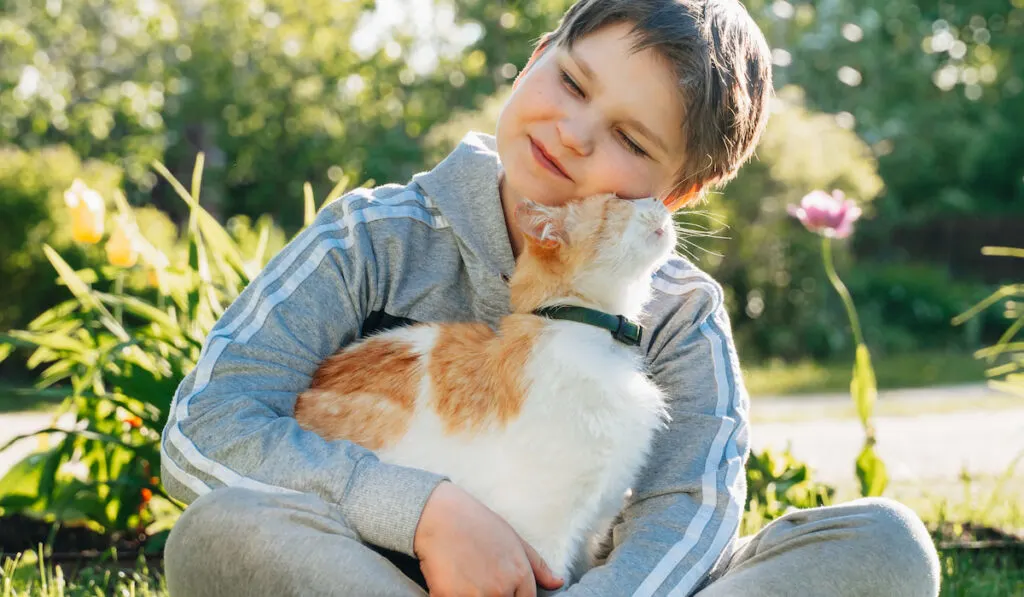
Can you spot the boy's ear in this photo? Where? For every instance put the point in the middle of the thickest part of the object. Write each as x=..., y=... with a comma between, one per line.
x=680, y=199
x=541, y=225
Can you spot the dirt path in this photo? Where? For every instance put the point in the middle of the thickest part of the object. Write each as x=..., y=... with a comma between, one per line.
x=927, y=446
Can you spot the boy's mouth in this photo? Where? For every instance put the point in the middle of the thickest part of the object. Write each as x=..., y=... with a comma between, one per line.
x=546, y=160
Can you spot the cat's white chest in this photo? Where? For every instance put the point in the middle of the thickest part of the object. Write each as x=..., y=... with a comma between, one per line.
x=581, y=377
x=564, y=462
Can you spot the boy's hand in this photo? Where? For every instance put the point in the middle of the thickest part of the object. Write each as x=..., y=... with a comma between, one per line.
x=465, y=549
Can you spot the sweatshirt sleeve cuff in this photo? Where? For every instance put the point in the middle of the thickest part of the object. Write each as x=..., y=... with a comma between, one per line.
x=385, y=501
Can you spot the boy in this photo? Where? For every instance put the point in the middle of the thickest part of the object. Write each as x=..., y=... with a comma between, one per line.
x=634, y=97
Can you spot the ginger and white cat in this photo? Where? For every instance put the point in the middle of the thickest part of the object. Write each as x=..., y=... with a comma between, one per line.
x=545, y=421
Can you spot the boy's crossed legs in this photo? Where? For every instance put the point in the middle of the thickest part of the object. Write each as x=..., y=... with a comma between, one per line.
x=234, y=542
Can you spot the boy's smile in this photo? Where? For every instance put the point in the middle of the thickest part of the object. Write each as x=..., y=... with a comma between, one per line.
x=596, y=118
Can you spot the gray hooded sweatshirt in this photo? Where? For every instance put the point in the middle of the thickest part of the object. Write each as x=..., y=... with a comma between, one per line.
x=437, y=249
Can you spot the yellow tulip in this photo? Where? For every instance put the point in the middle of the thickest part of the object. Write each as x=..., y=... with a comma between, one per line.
x=123, y=246
x=86, y=212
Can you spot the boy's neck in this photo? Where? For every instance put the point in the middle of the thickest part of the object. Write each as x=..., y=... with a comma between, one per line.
x=509, y=200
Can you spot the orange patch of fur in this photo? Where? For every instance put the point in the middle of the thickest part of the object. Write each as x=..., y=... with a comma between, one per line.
x=365, y=394
x=544, y=272
x=477, y=374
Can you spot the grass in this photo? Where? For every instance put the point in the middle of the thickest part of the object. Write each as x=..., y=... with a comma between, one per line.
x=911, y=370
x=29, y=575
x=964, y=574
x=767, y=410
x=981, y=574
x=991, y=501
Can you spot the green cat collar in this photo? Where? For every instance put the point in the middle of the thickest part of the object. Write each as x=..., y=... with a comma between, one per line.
x=622, y=329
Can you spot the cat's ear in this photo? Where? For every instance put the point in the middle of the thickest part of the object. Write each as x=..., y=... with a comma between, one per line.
x=542, y=225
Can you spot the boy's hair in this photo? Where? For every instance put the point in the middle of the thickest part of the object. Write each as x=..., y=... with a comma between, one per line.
x=723, y=67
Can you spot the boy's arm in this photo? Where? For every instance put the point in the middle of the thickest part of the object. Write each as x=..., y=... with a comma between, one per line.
x=231, y=421
x=686, y=505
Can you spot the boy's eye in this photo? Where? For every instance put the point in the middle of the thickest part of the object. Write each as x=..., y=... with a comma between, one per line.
x=570, y=83
x=631, y=145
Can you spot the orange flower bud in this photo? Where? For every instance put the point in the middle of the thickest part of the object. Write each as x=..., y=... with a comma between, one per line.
x=147, y=494
x=133, y=421
x=87, y=211
x=122, y=248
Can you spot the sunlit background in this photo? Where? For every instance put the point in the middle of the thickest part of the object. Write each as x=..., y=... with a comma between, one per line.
x=915, y=109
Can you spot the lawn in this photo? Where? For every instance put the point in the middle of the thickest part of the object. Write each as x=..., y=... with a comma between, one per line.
x=912, y=370
x=966, y=572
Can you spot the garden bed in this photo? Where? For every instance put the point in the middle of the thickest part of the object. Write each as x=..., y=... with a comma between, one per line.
x=69, y=544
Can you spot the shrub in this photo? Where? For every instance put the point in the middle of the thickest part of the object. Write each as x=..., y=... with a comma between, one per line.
x=32, y=211
x=122, y=355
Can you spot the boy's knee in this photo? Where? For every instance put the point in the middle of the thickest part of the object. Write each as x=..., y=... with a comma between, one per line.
x=217, y=526
x=896, y=533
x=215, y=514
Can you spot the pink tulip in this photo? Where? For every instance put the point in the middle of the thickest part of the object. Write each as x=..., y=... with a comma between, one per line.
x=828, y=215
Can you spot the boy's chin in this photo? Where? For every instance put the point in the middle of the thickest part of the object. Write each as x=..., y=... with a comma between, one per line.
x=535, y=190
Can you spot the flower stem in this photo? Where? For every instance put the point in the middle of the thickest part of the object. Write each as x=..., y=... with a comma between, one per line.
x=830, y=270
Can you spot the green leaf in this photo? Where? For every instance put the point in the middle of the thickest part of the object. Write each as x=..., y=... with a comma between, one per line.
x=197, y=176
x=310, y=203
x=863, y=387
x=1003, y=292
x=142, y=309
x=82, y=292
x=48, y=474
x=1003, y=251
x=55, y=372
x=337, y=191
x=261, y=246
x=53, y=314
x=205, y=232
x=871, y=472
x=5, y=351
x=57, y=342
x=23, y=477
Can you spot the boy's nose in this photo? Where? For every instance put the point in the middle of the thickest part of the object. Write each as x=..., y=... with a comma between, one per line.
x=575, y=135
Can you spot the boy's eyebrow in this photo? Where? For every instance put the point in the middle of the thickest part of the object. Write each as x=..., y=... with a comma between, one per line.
x=589, y=74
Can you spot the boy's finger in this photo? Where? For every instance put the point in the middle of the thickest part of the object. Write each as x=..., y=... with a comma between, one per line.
x=527, y=588
x=545, y=578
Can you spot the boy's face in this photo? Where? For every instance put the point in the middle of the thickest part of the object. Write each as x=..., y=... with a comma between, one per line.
x=594, y=119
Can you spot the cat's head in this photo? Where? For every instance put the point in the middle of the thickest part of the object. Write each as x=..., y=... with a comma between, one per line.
x=598, y=252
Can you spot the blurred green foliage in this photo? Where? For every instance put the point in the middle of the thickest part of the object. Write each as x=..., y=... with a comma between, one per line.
x=776, y=483
x=119, y=356
x=934, y=87
x=1005, y=358
x=32, y=212
x=275, y=92
x=921, y=95
x=778, y=295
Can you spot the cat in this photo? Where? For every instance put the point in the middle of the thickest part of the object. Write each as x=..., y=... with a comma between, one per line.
x=545, y=421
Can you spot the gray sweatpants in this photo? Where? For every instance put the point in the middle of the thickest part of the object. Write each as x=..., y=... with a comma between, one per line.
x=236, y=542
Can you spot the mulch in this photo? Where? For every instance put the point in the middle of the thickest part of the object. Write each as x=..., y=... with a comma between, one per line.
x=74, y=544
x=79, y=544
x=968, y=535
